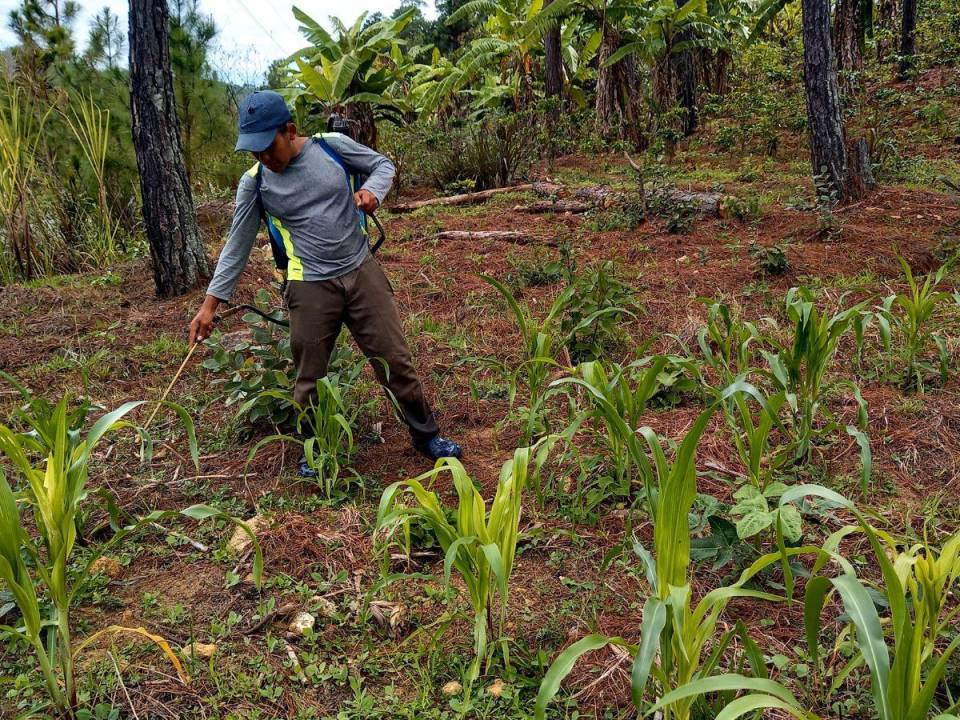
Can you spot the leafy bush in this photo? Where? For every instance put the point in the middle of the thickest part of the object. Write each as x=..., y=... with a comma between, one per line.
x=770, y=259
x=492, y=153
x=600, y=294
x=257, y=374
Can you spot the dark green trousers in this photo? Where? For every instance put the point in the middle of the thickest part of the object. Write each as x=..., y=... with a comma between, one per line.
x=363, y=299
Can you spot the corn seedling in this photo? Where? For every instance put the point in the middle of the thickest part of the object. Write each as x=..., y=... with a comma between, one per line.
x=542, y=344
x=752, y=437
x=910, y=314
x=324, y=428
x=480, y=544
x=917, y=584
x=726, y=341
x=53, y=489
x=800, y=368
x=623, y=390
x=675, y=633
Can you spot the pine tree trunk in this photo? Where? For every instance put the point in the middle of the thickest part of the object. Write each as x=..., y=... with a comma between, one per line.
x=908, y=36
x=828, y=152
x=179, y=258
x=887, y=14
x=846, y=43
x=553, y=75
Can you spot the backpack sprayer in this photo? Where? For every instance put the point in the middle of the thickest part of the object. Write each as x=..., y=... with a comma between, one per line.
x=335, y=123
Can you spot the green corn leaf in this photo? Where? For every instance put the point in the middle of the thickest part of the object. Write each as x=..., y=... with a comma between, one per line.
x=859, y=606
x=651, y=628
x=815, y=594
x=562, y=666
x=866, y=459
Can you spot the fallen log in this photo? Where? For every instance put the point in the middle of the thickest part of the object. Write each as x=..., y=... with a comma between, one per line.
x=464, y=199
x=560, y=206
x=520, y=238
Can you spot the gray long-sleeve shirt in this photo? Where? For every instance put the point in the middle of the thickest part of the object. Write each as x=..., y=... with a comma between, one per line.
x=313, y=204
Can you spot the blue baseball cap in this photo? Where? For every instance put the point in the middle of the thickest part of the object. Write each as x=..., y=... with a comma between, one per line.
x=262, y=113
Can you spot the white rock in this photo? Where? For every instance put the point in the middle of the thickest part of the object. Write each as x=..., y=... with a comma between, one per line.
x=302, y=622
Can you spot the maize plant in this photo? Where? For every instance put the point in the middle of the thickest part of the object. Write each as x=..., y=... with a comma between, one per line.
x=481, y=544
x=917, y=585
x=612, y=385
x=36, y=567
x=324, y=427
x=726, y=341
x=910, y=314
x=675, y=633
x=542, y=345
x=800, y=368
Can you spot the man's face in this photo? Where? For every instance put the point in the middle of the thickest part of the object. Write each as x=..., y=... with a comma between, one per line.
x=281, y=150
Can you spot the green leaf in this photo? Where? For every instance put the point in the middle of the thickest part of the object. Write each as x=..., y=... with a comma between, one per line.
x=562, y=666
x=651, y=628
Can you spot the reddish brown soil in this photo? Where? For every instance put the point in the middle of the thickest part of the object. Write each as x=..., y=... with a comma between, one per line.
x=916, y=440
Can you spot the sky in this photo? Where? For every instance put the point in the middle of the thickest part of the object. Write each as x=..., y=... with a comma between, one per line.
x=253, y=33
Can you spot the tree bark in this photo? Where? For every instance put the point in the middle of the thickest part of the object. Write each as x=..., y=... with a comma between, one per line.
x=617, y=87
x=828, y=151
x=846, y=43
x=553, y=76
x=363, y=125
x=887, y=14
x=179, y=258
x=908, y=36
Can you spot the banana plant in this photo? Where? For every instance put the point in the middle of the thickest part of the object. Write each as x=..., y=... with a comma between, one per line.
x=675, y=632
x=512, y=35
x=480, y=544
x=353, y=72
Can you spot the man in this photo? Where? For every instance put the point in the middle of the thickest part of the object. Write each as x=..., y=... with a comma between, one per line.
x=332, y=277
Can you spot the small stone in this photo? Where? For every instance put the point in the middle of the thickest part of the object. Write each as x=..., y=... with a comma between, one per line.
x=200, y=650
x=302, y=622
x=240, y=541
x=107, y=566
x=682, y=260
x=324, y=608
x=452, y=688
x=496, y=688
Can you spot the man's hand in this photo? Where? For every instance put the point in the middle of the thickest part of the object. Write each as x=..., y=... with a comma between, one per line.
x=202, y=324
x=366, y=201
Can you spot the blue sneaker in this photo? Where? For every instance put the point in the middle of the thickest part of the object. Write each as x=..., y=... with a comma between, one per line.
x=305, y=470
x=439, y=447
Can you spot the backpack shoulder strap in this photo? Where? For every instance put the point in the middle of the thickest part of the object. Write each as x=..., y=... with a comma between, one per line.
x=280, y=258
x=354, y=180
